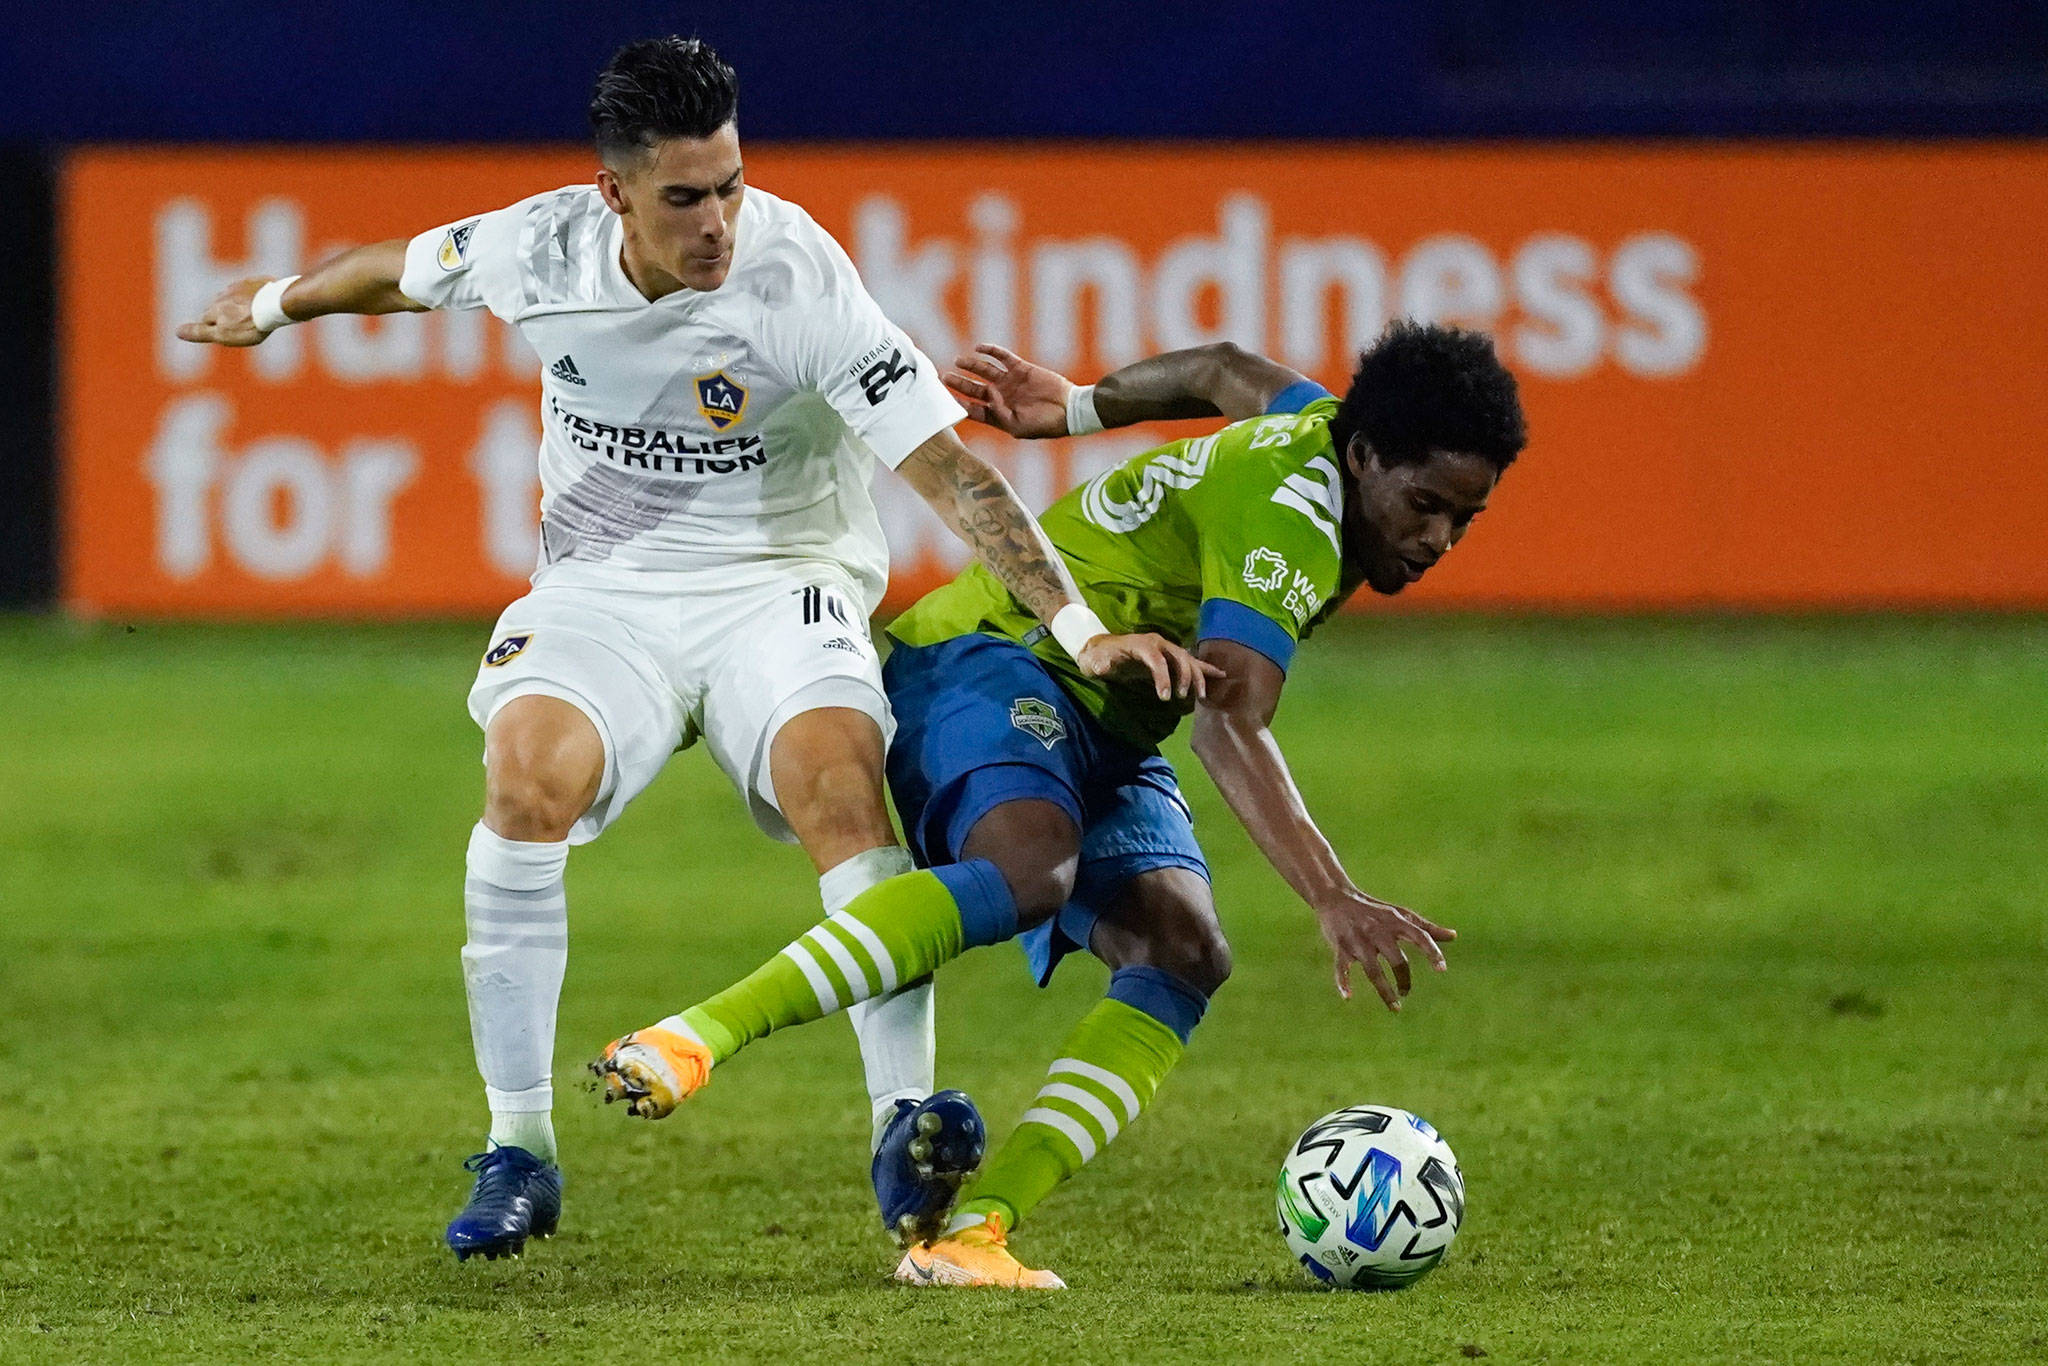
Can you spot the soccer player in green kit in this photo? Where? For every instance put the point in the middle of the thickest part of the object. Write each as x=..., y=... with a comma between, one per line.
x=1035, y=797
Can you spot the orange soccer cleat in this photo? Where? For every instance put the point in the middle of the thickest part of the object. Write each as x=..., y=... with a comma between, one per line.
x=979, y=1255
x=653, y=1071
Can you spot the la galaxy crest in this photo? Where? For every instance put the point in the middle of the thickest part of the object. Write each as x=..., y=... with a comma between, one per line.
x=504, y=651
x=721, y=398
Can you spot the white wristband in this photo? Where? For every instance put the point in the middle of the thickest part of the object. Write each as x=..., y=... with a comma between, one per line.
x=266, y=310
x=1074, y=626
x=1082, y=419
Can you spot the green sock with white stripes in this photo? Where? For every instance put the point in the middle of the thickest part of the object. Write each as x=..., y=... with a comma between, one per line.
x=1108, y=1070
x=896, y=931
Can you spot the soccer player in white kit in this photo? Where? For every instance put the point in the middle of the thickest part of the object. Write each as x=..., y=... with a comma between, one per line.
x=716, y=385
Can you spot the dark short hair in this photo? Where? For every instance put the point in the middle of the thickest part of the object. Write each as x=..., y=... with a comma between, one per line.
x=1425, y=387
x=661, y=88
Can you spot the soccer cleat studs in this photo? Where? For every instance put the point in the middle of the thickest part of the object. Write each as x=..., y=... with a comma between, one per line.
x=653, y=1071
x=920, y=1149
x=927, y=1151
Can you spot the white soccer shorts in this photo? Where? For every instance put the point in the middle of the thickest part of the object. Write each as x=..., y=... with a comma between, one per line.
x=655, y=671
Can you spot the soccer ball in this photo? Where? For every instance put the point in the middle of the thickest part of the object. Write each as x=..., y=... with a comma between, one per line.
x=1370, y=1198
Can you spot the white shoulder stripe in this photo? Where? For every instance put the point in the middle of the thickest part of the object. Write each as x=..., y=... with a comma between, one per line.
x=1168, y=470
x=1321, y=499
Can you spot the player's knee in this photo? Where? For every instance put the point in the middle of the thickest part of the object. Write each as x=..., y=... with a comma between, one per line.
x=1036, y=847
x=1194, y=951
x=1207, y=963
x=523, y=803
x=1040, y=883
x=835, y=801
x=541, y=774
x=1185, y=940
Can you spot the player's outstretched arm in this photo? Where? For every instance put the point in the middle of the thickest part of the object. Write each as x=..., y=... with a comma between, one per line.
x=362, y=280
x=1014, y=395
x=1233, y=738
x=974, y=498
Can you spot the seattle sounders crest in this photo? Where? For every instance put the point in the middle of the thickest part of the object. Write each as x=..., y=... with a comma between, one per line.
x=1037, y=717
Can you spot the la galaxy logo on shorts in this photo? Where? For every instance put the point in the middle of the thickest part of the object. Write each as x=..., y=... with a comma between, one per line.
x=454, y=252
x=504, y=650
x=1035, y=716
x=721, y=399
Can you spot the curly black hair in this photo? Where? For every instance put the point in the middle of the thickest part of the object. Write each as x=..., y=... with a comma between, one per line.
x=661, y=88
x=1425, y=387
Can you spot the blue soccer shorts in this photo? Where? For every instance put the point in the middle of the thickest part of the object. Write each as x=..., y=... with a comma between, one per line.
x=980, y=722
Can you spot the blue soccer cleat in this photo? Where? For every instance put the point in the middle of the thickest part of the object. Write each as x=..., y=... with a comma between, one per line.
x=517, y=1196
x=927, y=1152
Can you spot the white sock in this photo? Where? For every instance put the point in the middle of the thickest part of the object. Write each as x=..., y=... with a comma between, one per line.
x=518, y=949
x=898, y=1046
x=898, y=1037
x=533, y=1130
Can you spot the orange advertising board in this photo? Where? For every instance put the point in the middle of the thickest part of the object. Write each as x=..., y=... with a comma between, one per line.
x=1758, y=376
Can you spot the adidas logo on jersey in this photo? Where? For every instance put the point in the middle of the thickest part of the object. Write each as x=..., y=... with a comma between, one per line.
x=565, y=370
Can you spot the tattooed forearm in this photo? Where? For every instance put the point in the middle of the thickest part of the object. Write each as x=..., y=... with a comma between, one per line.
x=1006, y=537
x=979, y=504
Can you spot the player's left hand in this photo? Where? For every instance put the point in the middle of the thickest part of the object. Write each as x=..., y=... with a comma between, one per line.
x=1363, y=929
x=226, y=321
x=1175, y=672
x=1007, y=392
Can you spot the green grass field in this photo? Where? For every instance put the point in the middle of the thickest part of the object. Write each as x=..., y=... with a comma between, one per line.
x=1744, y=1048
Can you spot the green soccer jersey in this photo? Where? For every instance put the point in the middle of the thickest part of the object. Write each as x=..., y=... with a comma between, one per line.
x=1237, y=534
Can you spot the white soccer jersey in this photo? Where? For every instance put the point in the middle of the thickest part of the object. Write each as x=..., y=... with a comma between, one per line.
x=708, y=433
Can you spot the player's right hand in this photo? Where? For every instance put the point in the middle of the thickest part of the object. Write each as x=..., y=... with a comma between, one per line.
x=1007, y=392
x=1175, y=672
x=1363, y=929
x=226, y=321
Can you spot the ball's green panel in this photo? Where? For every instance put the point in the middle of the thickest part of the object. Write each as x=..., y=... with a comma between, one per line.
x=1298, y=1212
